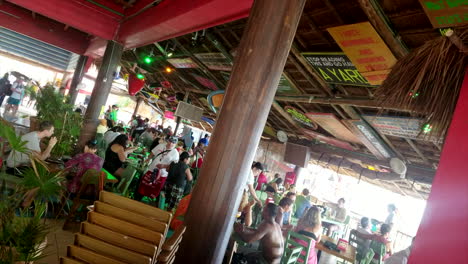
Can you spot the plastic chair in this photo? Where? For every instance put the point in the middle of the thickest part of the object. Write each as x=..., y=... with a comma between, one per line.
x=368, y=258
x=379, y=250
x=291, y=255
x=291, y=242
x=215, y=100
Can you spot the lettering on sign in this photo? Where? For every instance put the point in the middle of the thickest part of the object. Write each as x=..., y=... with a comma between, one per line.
x=285, y=86
x=215, y=61
x=182, y=63
x=370, y=139
x=446, y=13
x=366, y=50
x=300, y=117
x=205, y=82
x=336, y=68
x=328, y=140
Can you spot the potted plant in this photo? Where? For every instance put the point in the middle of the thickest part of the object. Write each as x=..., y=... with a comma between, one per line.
x=51, y=106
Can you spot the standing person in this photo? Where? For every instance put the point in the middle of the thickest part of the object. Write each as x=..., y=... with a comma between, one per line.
x=277, y=184
x=13, y=102
x=142, y=125
x=206, y=140
x=168, y=131
x=155, y=177
x=310, y=225
x=5, y=87
x=261, y=180
x=21, y=161
x=270, y=236
x=392, y=220
x=113, y=115
x=246, y=206
x=302, y=203
x=178, y=176
x=290, y=178
x=147, y=137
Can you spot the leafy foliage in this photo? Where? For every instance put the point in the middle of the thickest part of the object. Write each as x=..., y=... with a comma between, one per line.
x=7, y=133
x=51, y=107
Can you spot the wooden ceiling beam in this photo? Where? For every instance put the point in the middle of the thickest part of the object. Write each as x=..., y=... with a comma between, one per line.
x=381, y=23
x=286, y=116
x=417, y=150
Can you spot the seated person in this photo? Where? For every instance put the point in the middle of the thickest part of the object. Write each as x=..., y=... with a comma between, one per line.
x=116, y=155
x=276, y=184
x=79, y=164
x=147, y=137
x=102, y=127
x=302, y=203
x=270, y=195
x=17, y=162
x=270, y=236
x=283, y=217
x=400, y=257
x=383, y=238
x=292, y=196
x=310, y=225
x=112, y=133
x=338, y=213
x=363, y=244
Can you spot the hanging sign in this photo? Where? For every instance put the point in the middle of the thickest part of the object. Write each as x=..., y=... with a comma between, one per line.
x=205, y=82
x=134, y=84
x=328, y=140
x=183, y=63
x=404, y=127
x=300, y=117
x=446, y=13
x=364, y=47
x=334, y=126
x=215, y=61
x=169, y=115
x=285, y=86
x=370, y=139
x=336, y=68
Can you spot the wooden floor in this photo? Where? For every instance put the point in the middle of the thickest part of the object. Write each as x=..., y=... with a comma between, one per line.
x=57, y=241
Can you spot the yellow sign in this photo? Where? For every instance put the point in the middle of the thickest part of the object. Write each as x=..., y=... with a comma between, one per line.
x=366, y=50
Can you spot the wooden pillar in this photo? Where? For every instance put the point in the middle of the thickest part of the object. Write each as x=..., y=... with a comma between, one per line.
x=137, y=107
x=77, y=78
x=258, y=67
x=101, y=91
x=447, y=206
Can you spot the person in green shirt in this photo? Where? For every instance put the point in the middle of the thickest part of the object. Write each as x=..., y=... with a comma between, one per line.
x=113, y=114
x=302, y=203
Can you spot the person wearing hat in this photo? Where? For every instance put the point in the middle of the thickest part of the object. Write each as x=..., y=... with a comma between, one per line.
x=154, y=179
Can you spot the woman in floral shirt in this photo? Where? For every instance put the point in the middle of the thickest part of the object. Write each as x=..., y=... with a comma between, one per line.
x=79, y=164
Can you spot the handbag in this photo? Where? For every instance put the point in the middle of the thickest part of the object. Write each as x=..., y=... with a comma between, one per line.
x=152, y=182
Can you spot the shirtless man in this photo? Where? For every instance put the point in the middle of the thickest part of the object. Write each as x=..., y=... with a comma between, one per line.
x=270, y=236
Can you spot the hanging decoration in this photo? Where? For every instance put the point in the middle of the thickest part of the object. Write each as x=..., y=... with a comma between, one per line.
x=135, y=84
x=166, y=84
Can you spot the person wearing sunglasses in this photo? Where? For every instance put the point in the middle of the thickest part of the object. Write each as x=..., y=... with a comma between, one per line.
x=82, y=162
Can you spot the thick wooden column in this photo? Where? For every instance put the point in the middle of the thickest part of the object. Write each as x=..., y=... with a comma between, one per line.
x=77, y=78
x=262, y=55
x=101, y=91
x=447, y=207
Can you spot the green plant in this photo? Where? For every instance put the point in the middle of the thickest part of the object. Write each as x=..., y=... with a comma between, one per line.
x=31, y=92
x=51, y=107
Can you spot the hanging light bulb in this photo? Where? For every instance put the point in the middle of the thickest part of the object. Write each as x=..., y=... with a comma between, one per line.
x=427, y=128
x=170, y=54
x=168, y=69
x=140, y=76
x=148, y=60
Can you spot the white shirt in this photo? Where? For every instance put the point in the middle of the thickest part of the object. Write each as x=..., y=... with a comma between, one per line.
x=163, y=159
x=33, y=144
x=17, y=90
x=400, y=257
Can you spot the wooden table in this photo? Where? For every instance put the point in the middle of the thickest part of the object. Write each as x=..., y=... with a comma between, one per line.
x=348, y=255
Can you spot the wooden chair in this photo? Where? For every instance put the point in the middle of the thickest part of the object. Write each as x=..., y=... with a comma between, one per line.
x=65, y=260
x=379, y=250
x=355, y=242
x=109, y=250
x=368, y=257
x=291, y=242
x=127, y=178
x=291, y=255
x=90, y=177
x=171, y=246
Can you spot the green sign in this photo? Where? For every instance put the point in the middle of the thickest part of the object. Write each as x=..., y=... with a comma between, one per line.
x=285, y=86
x=300, y=117
x=336, y=68
x=446, y=13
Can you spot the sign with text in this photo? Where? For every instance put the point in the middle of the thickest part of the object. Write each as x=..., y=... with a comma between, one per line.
x=364, y=47
x=286, y=86
x=404, y=127
x=370, y=139
x=335, y=68
x=446, y=13
x=215, y=61
x=300, y=117
x=182, y=63
x=328, y=140
x=334, y=126
x=205, y=82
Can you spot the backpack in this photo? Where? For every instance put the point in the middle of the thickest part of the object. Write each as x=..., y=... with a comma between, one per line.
x=8, y=90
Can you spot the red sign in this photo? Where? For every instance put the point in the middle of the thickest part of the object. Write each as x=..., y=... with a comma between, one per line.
x=205, y=82
x=169, y=115
x=329, y=140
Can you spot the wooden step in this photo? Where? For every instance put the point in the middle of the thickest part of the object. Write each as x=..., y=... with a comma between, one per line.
x=89, y=256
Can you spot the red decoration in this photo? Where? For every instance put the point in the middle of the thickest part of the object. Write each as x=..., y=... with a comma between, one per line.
x=134, y=84
x=157, y=89
x=166, y=84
